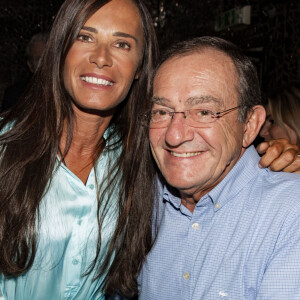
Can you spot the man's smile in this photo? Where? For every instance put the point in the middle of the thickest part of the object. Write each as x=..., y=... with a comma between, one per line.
x=185, y=154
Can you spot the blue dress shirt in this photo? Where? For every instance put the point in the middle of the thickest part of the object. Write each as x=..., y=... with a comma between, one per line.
x=68, y=233
x=241, y=242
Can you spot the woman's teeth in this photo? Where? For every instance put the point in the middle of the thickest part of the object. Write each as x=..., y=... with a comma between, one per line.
x=97, y=81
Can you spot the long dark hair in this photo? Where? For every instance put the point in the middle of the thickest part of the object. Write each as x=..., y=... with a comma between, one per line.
x=29, y=145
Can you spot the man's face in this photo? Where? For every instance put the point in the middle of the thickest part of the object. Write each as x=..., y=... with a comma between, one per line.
x=36, y=53
x=194, y=160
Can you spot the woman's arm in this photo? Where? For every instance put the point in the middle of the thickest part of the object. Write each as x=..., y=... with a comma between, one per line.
x=280, y=155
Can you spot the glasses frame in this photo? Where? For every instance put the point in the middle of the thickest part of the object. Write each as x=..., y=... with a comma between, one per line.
x=214, y=117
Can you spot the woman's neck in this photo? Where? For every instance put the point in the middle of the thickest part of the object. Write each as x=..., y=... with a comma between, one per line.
x=88, y=130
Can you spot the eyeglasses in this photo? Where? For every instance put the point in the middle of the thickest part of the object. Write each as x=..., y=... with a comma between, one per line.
x=160, y=118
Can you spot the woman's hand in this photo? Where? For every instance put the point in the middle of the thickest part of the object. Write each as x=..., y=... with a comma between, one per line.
x=279, y=155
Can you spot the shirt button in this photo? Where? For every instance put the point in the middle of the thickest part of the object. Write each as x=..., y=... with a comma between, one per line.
x=91, y=186
x=195, y=226
x=75, y=262
x=217, y=205
x=186, y=276
x=79, y=222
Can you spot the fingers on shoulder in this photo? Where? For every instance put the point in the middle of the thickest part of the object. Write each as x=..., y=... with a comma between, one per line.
x=294, y=167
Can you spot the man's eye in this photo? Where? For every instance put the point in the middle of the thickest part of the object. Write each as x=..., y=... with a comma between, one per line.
x=204, y=112
x=123, y=45
x=84, y=38
x=159, y=112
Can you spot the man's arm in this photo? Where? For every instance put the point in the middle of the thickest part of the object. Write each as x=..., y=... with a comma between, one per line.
x=280, y=155
x=282, y=274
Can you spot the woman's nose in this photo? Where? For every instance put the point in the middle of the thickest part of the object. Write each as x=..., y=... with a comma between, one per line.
x=101, y=57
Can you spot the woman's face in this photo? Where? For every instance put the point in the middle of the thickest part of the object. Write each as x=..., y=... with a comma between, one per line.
x=105, y=58
x=272, y=131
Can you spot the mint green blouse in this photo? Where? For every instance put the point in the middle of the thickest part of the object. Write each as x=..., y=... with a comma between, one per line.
x=68, y=233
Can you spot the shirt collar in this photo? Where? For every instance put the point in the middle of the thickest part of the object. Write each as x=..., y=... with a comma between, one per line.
x=244, y=170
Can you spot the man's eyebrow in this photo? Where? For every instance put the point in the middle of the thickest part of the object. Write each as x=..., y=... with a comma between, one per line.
x=117, y=33
x=203, y=99
x=190, y=101
x=160, y=100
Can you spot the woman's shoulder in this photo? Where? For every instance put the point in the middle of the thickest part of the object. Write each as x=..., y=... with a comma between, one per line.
x=5, y=126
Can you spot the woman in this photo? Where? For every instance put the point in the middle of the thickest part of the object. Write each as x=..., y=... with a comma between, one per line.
x=70, y=214
x=283, y=116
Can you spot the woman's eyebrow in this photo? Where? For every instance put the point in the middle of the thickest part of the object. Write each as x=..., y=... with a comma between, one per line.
x=126, y=35
x=91, y=29
x=117, y=33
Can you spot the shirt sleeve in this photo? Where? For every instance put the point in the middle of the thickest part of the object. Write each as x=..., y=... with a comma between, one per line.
x=281, y=280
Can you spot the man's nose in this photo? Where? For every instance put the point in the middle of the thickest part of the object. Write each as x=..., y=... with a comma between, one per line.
x=101, y=56
x=178, y=131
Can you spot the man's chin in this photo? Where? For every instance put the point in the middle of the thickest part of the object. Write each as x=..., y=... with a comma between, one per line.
x=183, y=186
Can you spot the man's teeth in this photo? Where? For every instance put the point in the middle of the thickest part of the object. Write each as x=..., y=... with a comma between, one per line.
x=188, y=154
x=95, y=80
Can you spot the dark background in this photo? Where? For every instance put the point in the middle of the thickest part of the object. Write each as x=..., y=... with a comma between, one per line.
x=272, y=39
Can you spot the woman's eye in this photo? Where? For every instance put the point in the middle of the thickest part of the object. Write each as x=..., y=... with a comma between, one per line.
x=84, y=38
x=123, y=45
x=270, y=120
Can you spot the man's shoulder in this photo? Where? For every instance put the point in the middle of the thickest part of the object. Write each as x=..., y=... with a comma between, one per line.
x=277, y=191
x=281, y=181
x=263, y=178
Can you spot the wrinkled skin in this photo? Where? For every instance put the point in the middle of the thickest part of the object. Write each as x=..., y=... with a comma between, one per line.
x=280, y=155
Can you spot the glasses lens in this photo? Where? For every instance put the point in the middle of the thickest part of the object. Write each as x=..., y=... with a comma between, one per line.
x=201, y=116
x=159, y=118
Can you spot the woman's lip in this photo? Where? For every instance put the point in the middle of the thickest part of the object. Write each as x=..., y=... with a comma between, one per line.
x=98, y=76
x=97, y=81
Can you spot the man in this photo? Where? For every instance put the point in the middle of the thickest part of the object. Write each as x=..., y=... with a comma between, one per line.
x=227, y=228
x=34, y=51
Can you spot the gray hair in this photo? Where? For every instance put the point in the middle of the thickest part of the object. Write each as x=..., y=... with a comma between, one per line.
x=248, y=84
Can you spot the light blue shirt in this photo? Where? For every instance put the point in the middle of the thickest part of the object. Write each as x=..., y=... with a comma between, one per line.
x=241, y=242
x=68, y=233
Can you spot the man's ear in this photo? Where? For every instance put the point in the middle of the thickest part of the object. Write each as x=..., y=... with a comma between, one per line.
x=255, y=120
x=30, y=66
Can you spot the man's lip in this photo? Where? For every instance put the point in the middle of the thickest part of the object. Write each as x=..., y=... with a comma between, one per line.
x=185, y=154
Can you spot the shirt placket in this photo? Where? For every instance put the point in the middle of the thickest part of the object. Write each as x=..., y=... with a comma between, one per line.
x=76, y=244
x=197, y=231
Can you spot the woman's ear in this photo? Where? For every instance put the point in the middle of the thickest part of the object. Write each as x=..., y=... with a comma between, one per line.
x=138, y=73
x=255, y=121
x=139, y=70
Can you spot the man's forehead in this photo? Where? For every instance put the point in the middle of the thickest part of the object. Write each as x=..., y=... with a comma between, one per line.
x=207, y=53
x=208, y=62
x=199, y=77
